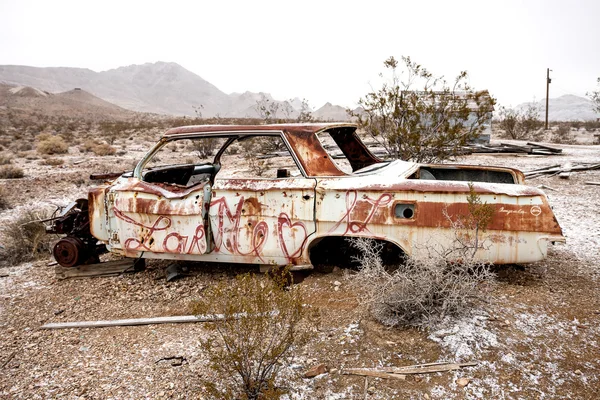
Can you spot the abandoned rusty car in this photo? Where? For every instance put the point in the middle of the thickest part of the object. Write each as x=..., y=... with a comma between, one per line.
x=189, y=198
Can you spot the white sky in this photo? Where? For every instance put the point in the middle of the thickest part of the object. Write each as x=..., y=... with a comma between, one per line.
x=321, y=50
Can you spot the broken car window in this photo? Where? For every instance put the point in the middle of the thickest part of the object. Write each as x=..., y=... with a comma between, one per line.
x=258, y=157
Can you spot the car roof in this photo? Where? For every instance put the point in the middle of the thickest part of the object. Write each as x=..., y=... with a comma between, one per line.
x=301, y=128
x=302, y=139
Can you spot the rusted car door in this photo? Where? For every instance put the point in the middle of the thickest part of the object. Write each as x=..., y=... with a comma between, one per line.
x=158, y=217
x=263, y=221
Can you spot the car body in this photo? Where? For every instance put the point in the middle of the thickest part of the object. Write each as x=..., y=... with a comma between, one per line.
x=190, y=212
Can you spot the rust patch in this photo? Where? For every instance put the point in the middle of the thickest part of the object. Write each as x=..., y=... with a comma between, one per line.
x=158, y=189
x=508, y=217
x=254, y=206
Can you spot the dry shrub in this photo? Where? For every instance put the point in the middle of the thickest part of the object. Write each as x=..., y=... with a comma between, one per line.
x=250, y=150
x=205, y=147
x=5, y=159
x=563, y=134
x=24, y=239
x=424, y=290
x=11, y=172
x=54, y=161
x=591, y=126
x=260, y=328
x=52, y=145
x=104, y=149
x=520, y=124
x=4, y=204
x=24, y=146
x=88, y=145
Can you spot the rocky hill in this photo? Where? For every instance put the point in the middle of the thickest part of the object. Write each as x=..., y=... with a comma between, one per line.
x=73, y=103
x=331, y=112
x=565, y=108
x=161, y=87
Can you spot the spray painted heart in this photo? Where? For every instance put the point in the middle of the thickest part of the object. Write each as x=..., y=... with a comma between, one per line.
x=283, y=222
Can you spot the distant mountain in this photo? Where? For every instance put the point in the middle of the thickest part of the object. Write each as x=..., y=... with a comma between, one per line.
x=72, y=103
x=331, y=112
x=161, y=87
x=565, y=108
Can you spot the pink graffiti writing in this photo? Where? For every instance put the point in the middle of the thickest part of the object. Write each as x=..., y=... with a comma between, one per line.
x=284, y=222
x=163, y=223
x=135, y=243
x=352, y=202
x=228, y=237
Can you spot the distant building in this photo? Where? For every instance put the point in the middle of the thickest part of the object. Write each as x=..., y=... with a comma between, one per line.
x=485, y=135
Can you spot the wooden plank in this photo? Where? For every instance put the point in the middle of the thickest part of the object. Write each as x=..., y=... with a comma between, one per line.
x=417, y=369
x=100, y=269
x=376, y=374
x=542, y=152
x=593, y=183
x=428, y=369
x=524, y=149
x=544, y=168
x=179, y=319
x=134, y=322
x=552, y=149
x=546, y=187
x=586, y=167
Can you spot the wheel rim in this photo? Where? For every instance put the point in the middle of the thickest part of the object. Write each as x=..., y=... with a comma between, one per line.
x=67, y=252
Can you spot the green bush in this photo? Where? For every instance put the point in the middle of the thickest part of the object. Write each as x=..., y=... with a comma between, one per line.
x=258, y=331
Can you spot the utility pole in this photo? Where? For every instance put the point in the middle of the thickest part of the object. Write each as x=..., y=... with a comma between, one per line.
x=548, y=80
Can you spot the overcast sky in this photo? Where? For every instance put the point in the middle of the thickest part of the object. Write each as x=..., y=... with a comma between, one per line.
x=320, y=50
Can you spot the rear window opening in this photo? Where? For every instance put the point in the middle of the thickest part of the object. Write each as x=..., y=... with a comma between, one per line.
x=463, y=175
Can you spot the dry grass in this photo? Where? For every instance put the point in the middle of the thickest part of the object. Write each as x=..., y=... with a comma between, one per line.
x=53, y=161
x=4, y=204
x=11, y=172
x=103, y=149
x=52, y=145
x=5, y=159
x=24, y=239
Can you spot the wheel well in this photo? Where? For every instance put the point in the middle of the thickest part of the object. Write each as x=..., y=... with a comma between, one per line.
x=338, y=251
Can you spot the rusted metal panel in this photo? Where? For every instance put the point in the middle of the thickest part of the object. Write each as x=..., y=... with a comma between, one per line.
x=97, y=213
x=151, y=221
x=519, y=226
x=264, y=221
x=252, y=221
x=313, y=157
x=353, y=148
x=292, y=129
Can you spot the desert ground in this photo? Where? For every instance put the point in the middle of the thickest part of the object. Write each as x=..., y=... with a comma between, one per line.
x=536, y=337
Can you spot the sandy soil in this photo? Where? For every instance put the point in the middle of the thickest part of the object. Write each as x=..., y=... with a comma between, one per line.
x=537, y=337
